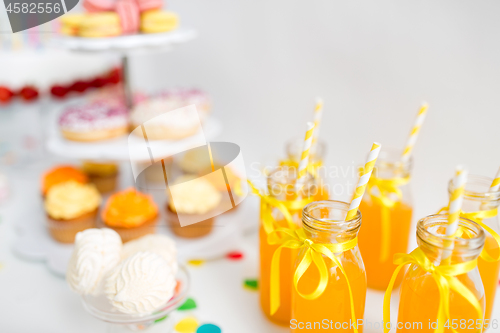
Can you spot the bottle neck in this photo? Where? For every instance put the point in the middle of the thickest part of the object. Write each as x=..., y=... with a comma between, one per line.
x=477, y=195
x=282, y=185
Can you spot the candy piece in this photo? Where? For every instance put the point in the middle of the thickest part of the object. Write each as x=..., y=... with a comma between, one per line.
x=187, y=325
x=208, y=328
x=251, y=284
x=235, y=255
x=161, y=319
x=196, y=262
x=129, y=16
x=5, y=94
x=189, y=304
x=29, y=93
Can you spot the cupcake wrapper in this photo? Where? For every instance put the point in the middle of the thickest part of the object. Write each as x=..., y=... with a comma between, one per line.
x=196, y=230
x=128, y=234
x=64, y=231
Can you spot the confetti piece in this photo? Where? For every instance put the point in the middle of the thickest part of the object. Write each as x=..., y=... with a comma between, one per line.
x=187, y=325
x=208, y=328
x=251, y=284
x=196, y=262
x=161, y=319
x=235, y=255
x=189, y=304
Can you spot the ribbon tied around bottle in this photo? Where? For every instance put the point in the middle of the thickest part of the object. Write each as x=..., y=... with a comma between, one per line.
x=478, y=217
x=312, y=253
x=445, y=277
x=312, y=167
x=387, y=196
x=285, y=207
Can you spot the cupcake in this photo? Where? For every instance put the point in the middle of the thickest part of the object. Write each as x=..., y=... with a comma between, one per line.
x=61, y=174
x=103, y=175
x=131, y=214
x=71, y=207
x=94, y=122
x=192, y=200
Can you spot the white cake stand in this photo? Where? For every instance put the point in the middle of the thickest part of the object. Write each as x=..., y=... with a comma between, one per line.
x=101, y=308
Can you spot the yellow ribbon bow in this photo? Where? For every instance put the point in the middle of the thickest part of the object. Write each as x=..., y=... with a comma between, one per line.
x=297, y=239
x=284, y=206
x=386, y=188
x=478, y=217
x=445, y=277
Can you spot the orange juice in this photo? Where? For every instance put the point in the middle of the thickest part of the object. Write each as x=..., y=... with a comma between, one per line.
x=323, y=223
x=371, y=242
x=281, y=186
x=489, y=274
x=419, y=294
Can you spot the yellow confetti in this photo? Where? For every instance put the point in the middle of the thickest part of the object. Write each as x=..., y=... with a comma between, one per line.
x=187, y=325
x=196, y=262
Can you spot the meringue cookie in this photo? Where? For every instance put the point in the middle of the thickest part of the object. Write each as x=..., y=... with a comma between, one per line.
x=159, y=244
x=96, y=252
x=140, y=284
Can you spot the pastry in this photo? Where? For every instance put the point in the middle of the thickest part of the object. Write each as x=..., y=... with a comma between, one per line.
x=131, y=214
x=165, y=119
x=162, y=245
x=93, y=122
x=70, y=24
x=193, y=199
x=140, y=284
x=61, y=174
x=128, y=12
x=149, y=4
x=95, y=6
x=103, y=175
x=71, y=207
x=102, y=24
x=154, y=21
x=96, y=252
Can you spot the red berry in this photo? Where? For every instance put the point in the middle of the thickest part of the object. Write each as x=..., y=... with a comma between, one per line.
x=98, y=82
x=79, y=86
x=235, y=255
x=29, y=93
x=5, y=94
x=59, y=91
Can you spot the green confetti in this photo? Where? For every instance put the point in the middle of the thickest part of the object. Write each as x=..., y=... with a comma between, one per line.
x=161, y=319
x=251, y=284
x=189, y=304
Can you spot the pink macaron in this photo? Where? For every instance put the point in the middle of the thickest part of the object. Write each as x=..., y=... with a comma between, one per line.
x=128, y=12
x=149, y=4
x=95, y=6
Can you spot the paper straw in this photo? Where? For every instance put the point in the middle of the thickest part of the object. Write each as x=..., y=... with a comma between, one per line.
x=414, y=132
x=318, y=112
x=363, y=180
x=495, y=186
x=304, y=160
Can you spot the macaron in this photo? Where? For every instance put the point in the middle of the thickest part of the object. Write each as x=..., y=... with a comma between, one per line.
x=70, y=24
x=128, y=12
x=154, y=21
x=96, y=6
x=149, y=4
x=105, y=24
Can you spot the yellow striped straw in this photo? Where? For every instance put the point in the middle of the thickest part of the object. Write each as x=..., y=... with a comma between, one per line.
x=414, y=132
x=363, y=180
x=304, y=159
x=318, y=112
x=495, y=186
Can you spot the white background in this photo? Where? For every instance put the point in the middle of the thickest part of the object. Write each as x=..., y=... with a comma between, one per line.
x=264, y=62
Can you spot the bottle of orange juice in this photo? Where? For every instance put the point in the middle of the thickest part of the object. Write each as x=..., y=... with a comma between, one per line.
x=479, y=200
x=281, y=195
x=455, y=266
x=387, y=212
x=324, y=224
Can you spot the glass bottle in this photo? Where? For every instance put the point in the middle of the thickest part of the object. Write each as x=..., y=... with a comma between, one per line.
x=478, y=198
x=281, y=186
x=324, y=223
x=419, y=294
x=387, y=211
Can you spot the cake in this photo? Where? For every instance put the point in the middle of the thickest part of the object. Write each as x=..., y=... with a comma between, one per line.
x=103, y=175
x=61, y=174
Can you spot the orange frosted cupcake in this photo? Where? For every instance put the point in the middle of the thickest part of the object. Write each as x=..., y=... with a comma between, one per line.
x=131, y=214
x=61, y=174
x=103, y=175
x=71, y=207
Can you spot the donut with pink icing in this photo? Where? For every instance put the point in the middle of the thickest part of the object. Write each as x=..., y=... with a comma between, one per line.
x=94, y=122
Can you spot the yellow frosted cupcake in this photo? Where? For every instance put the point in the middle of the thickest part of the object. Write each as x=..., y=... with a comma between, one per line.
x=195, y=200
x=154, y=21
x=105, y=24
x=71, y=207
x=103, y=175
x=131, y=214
